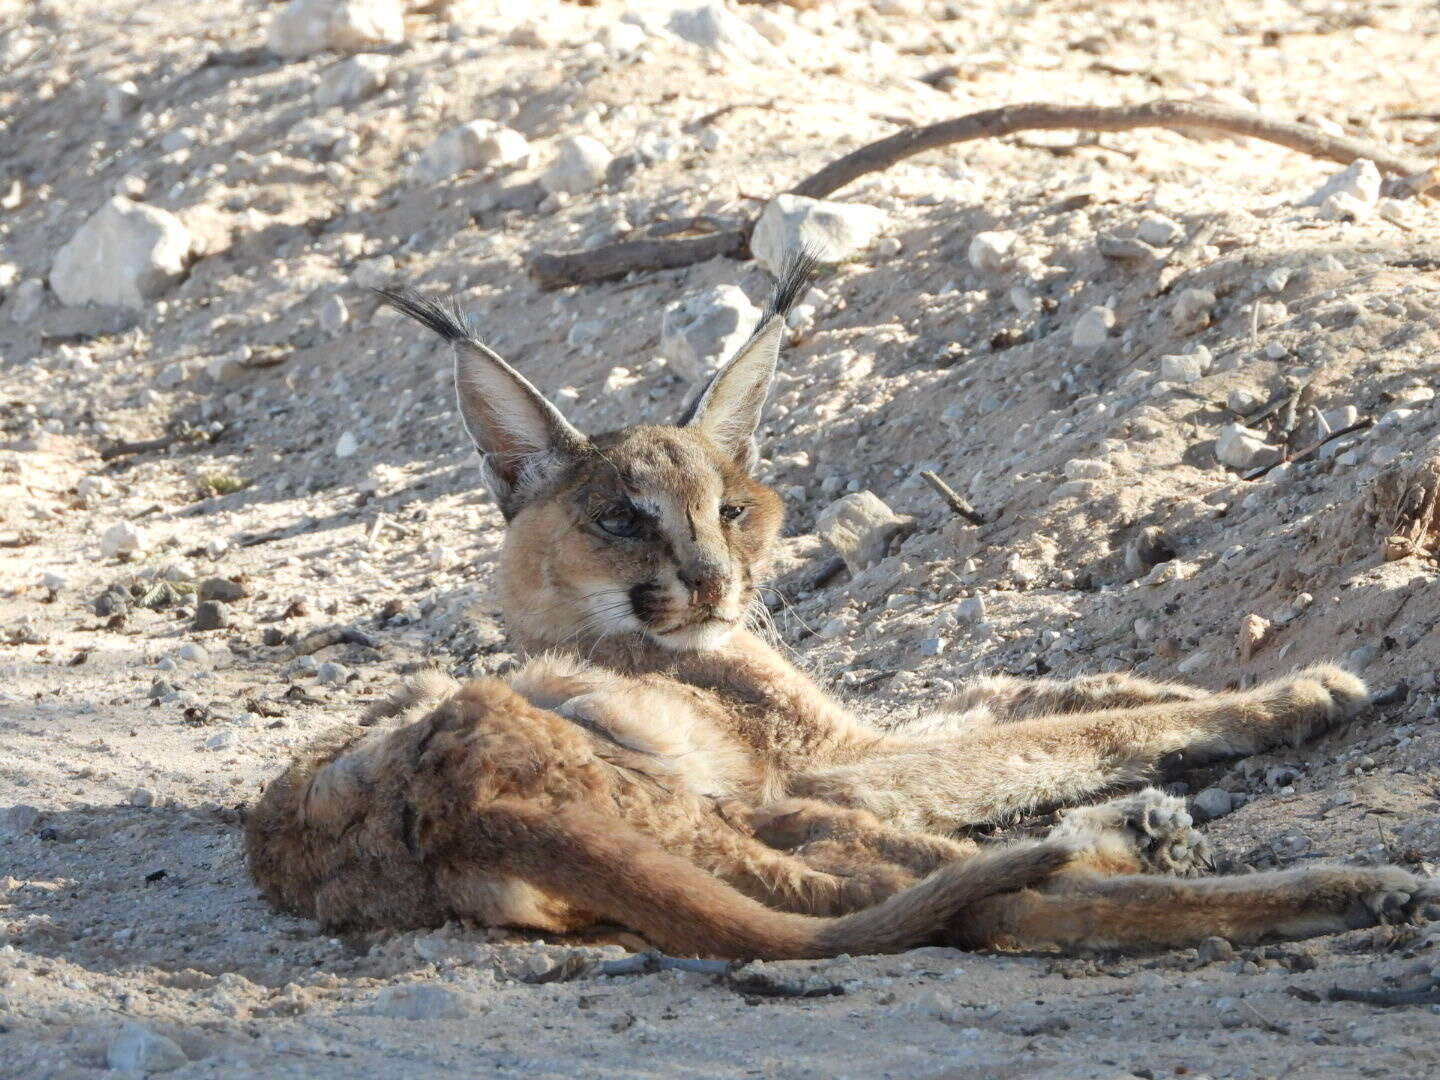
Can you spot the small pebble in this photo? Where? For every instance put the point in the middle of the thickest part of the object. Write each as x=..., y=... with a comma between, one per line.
x=210, y=615
x=221, y=740
x=1212, y=803
x=332, y=674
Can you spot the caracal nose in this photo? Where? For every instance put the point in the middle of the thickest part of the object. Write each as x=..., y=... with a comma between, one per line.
x=706, y=584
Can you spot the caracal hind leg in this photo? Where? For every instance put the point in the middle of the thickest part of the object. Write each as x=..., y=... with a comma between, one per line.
x=1010, y=698
x=1133, y=911
x=1145, y=832
x=941, y=781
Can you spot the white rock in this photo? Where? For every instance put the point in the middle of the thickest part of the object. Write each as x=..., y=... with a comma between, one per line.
x=480, y=144
x=704, y=330
x=932, y=646
x=859, y=527
x=193, y=653
x=29, y=299
x=834, y=231
x=141, y=797
x=228, y=366
x=1193, y=663
x=373, y=273
x=52, y=581
x=581, y=164
x=1086, y=469
x=347, y=445
x=352, y=80
x=722, y=34
x=1277, y=279
x=122, y=538
x=1241, y=447
x=303, y=27
x=1343, y=207
x=971, y=610
x=1212, y=803
x=992, y=252
x=91, y=488
x=179, y=139
x=334, y=314
x=221, y=740
x=421, y=1001
x=1191, y=310
x=1403, y=212
x=331, y=673
x=122, y=100
x=442, y=557
x=1187, y=368
x=172, y=375
x=1270, y=312
x=125, y=255
x=586, y=332
x=1360, y=180
x=1158, y=231
x=135, y=1048
x=1414, y=396
x=622, y=39
x=1092, y=328
x=1243, y=401
x=1343, y=417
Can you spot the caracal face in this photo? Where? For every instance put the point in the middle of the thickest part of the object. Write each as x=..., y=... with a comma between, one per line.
x=655, y=531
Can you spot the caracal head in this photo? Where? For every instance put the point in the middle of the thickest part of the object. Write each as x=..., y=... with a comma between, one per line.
x=655, y=531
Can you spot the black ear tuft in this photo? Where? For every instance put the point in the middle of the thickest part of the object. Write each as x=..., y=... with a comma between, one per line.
x=795, y=277
x=800, y=268
x=450, y=325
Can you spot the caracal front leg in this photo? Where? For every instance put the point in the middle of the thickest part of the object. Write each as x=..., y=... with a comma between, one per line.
x=942, y=781
x=1008, y=698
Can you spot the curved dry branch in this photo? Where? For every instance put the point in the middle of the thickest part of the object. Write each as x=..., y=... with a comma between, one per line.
x=555, y=271
x=1175, y=115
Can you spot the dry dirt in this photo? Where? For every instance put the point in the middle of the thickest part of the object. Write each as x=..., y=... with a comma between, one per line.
x=123, y=894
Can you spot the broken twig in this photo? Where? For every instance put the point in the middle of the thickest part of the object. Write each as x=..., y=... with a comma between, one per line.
x=1311, y=450
x=555, y=271
x=1424, y=995
x=956, y=502
x=334, y=635
x=139, y=446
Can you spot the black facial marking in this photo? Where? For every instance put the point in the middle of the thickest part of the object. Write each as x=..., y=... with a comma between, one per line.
x=646, y=599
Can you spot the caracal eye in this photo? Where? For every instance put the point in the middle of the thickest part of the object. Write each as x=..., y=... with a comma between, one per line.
x=732, y=512
x=619, y=520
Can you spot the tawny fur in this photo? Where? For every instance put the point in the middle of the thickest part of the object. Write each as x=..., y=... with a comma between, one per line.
x=686, y=781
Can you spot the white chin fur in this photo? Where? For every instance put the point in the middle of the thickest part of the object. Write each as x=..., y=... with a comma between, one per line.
x=700, y=638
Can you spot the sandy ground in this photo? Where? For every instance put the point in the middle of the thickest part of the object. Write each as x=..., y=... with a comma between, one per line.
x=132, y=740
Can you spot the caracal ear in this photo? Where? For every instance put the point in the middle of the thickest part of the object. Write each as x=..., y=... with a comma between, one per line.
x=521, y=436
x=727, y=412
